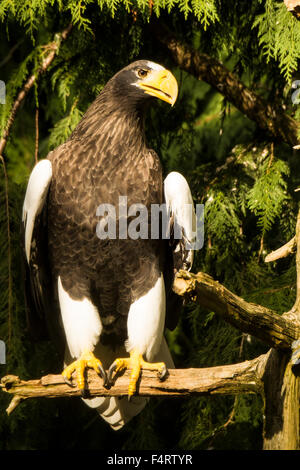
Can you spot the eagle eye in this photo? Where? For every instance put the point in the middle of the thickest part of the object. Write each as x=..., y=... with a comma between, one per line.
x=142, y=73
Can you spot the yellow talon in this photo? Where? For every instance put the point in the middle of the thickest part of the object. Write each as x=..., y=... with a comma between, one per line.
x=136, y=363
x=87, y=359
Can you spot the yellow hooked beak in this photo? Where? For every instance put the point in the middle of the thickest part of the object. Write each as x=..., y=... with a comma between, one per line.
x=161, y=84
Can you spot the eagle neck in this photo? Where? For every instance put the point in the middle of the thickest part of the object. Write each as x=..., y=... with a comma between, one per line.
x=126, y=128
x=117, y=127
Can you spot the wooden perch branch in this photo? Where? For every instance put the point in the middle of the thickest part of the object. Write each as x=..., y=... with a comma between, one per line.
x=265, y=324
x=244, y=377
x=283, y=251
x=53, y=48
x=281, y=126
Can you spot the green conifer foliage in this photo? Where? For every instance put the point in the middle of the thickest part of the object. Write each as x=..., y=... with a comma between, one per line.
x=246, y=180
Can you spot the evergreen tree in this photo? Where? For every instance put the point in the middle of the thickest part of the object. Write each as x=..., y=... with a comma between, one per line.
x=239, y=162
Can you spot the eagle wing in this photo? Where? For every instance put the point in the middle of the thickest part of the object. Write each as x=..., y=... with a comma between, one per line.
x=181, y=230
x=40, y=300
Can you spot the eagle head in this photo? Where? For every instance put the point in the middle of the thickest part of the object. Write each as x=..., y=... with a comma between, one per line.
x=144, y=79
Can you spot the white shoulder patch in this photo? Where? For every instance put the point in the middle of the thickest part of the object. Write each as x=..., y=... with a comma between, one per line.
x=35, y=197
x=180, y=203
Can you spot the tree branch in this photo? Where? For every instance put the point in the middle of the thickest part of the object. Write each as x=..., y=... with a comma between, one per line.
x=53, y=47
x=281, y=126
x=281, y=384
x=291, y=247
x=282, y=252
x=10, y=53
x=261, y=322
x=244, y=377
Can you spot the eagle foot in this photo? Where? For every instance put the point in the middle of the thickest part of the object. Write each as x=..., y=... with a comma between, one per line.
x=136, y=363
x=87, y=359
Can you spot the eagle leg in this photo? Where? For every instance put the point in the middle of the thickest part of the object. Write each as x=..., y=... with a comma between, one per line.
x=136, y=363
x=87, y=359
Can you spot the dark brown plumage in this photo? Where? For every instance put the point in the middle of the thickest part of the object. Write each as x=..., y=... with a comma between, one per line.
x=104, y=293
x=105, y=157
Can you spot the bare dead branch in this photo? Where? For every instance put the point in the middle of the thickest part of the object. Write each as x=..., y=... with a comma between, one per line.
x=261, y=322
x=10, y=53
x=244, y=377
x=281, y=126
x=283, y=251
x=53, y=48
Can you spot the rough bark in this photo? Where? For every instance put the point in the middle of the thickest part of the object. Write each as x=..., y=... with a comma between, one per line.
x=282, y=252
x=281, y=126
x=281, y=390
x=282, y=386
x=261, y=322
x=231, y=379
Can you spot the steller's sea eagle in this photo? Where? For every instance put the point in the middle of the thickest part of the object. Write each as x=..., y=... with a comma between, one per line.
x=109, y=298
